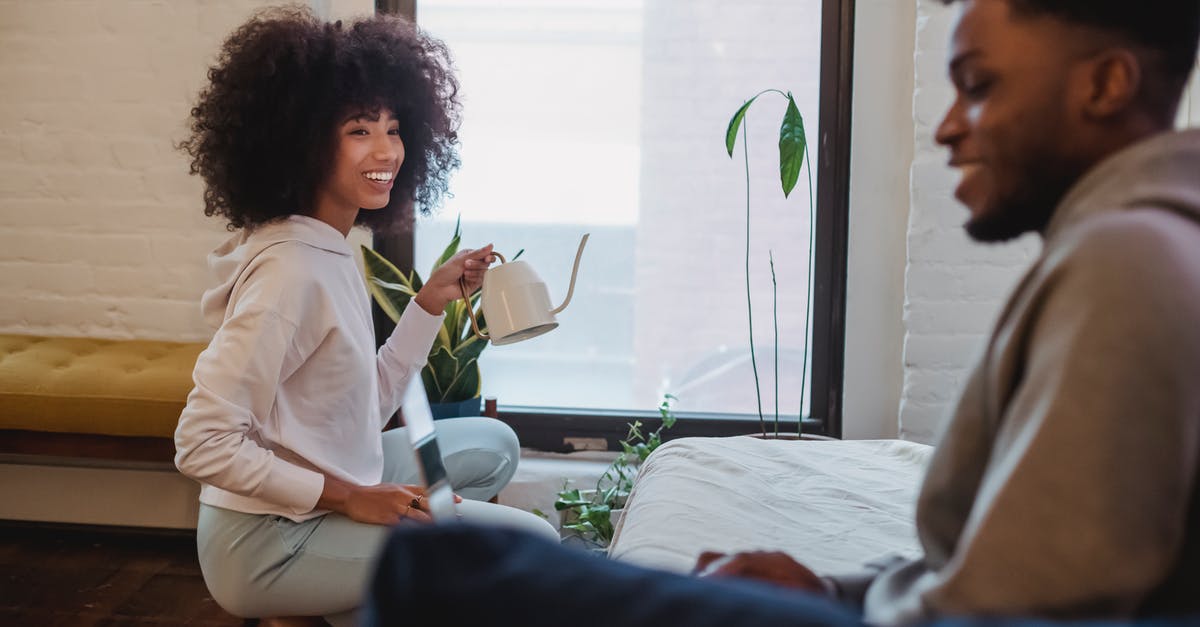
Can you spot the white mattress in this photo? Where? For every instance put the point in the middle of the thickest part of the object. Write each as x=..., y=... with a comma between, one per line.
x=832, y=505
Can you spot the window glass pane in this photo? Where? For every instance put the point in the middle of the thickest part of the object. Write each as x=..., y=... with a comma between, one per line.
x=609, y=117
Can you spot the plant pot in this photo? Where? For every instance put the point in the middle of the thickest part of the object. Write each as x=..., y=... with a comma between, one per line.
x=469, y=407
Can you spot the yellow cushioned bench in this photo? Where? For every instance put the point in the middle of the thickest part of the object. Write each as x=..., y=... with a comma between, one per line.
x=92, y=398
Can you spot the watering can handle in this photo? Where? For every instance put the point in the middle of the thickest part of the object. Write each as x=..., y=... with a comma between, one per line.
x=462, y=285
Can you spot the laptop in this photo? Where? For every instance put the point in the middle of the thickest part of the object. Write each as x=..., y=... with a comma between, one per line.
x=418, y=422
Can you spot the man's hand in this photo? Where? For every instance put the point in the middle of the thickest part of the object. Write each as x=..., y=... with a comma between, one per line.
x=770, y=566
x=442, y=286
x=382, y=504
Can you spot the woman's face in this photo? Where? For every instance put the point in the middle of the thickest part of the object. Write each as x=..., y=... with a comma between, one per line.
x=367, y=156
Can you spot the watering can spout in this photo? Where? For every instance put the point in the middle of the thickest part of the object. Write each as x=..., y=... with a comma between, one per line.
x=574, y=272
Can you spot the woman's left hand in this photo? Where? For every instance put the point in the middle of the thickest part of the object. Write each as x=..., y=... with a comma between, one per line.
x=442, y=286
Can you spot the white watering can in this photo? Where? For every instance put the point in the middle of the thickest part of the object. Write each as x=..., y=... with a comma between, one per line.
x=515, y=301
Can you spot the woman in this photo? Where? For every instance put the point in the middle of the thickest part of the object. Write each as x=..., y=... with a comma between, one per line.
x=305, y=130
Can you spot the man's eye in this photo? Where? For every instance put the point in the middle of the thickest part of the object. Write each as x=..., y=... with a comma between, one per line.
x=976, y=89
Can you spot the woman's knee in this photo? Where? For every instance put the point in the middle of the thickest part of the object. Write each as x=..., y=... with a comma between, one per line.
x=481, y=455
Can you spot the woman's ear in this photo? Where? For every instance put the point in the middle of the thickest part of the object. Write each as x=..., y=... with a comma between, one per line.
x=1114, y=82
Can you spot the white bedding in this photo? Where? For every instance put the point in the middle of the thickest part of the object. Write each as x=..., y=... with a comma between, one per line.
x=833, y=505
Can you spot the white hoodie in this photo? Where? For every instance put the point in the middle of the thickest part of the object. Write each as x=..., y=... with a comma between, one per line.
x=290, y=388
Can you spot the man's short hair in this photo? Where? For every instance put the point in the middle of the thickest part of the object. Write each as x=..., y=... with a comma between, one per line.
x=1168, y=28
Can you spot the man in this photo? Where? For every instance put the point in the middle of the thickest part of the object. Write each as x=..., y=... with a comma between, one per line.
x=1065, y=484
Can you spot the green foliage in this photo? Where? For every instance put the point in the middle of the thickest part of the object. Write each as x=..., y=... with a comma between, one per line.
x=588, y=513
x=793, y=153
x=452, y=373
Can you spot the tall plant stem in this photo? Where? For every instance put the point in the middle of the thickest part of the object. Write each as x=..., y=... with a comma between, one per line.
x=775, y=321
x=808, y=296
x=762, y=424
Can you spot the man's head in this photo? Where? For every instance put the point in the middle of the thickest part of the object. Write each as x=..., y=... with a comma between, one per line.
x=1048, y=88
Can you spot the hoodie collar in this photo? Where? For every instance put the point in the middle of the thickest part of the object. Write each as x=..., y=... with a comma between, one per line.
x=307, y=230
x=1159, y=171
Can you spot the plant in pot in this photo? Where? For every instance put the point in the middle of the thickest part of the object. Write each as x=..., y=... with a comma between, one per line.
x=793, y=154
x=451, y=377
x=590, y=515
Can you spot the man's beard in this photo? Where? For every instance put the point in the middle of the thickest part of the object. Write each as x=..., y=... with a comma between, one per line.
x=1042, y=184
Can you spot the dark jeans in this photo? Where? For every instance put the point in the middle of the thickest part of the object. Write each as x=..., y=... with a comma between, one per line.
x=462, y=575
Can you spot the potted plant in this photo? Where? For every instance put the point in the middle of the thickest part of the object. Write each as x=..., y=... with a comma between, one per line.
x=451, y=376
x=589, y=516
x=793, y=153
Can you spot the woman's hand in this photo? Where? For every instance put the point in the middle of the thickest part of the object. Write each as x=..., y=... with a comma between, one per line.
x=442, y=286
x=769, y=566
x=382, y=504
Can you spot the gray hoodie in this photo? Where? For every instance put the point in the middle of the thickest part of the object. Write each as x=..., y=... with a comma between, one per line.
x=1065, y=484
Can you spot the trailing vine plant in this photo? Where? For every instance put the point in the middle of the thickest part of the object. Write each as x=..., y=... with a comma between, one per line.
x=588, y=513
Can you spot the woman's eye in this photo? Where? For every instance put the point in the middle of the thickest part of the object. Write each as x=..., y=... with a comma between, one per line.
x=359, y=131
x=394, y=131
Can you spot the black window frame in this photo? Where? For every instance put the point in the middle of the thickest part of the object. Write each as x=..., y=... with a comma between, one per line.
x=563, y=429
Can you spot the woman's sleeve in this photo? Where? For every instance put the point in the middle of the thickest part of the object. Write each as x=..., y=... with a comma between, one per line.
x=236, y=378
x=403, y=355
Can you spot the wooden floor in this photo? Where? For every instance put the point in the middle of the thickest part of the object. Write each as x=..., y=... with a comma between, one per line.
x=69, y=576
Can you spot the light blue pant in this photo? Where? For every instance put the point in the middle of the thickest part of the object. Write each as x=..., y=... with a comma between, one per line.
x=263, y=566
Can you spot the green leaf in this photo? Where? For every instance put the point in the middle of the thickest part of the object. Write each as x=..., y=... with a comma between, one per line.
x=456, y=314
x=444, y=370
x=792, y=143
x=387, y=285
x=452, y=247
x=469, y=349
x=431, y=384
x=465, y=384
x=734, y=124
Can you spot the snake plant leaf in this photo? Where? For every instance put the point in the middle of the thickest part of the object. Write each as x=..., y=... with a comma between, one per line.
x=431, y=384
x=456, y=316
x=735, y=123
x=465, y=385
x=469, y=349
x=792, y=143
x=444, y=368
x=452, y=247
x=387, y=284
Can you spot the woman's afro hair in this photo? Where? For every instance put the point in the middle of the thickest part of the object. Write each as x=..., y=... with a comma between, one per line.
x=263, y=130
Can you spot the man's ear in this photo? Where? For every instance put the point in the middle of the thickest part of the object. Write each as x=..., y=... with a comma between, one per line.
x=1114, y=80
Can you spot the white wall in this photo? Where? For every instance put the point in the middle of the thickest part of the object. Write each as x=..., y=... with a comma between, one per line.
x=881, y=154
x=102, y=231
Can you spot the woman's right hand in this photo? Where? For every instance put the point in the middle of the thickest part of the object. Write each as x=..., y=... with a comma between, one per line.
x=381, y=504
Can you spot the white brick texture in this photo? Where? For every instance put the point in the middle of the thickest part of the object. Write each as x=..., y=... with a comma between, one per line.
x=102, y=231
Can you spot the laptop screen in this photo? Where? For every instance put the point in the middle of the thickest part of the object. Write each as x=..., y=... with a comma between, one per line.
x=418, y=422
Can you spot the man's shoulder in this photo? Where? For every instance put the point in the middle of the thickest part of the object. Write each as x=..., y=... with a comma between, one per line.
x=1134, y=260
x=1133, y=240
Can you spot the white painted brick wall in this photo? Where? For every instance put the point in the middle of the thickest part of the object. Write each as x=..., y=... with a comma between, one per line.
x=102, y=231
x=953, y=286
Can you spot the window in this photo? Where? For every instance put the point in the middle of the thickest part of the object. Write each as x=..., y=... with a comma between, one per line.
x=609, y=117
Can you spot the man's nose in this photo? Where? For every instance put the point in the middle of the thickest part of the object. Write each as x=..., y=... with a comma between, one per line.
x=952, y=127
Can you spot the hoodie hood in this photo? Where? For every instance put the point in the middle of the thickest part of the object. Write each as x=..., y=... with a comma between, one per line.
x=229, y=261
x=1156, y=173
